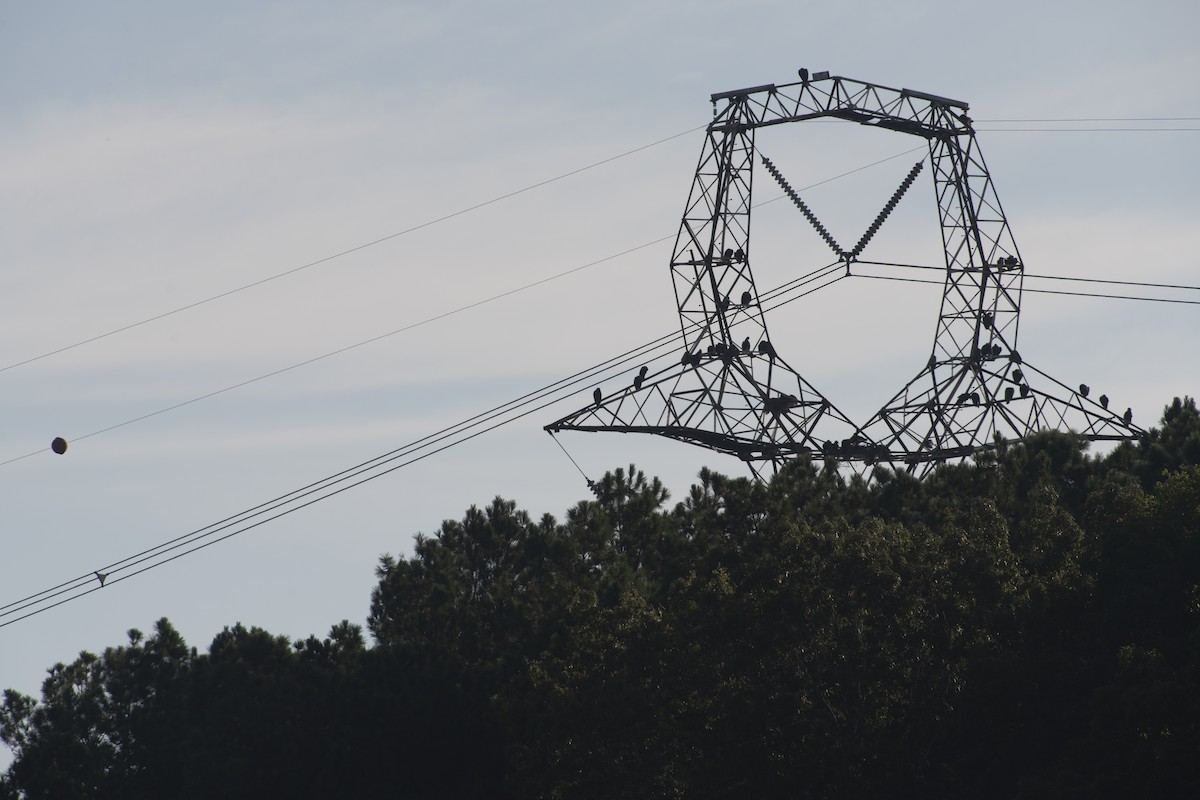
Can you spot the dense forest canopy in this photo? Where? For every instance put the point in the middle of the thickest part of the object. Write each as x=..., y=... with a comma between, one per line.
x=1023, y=625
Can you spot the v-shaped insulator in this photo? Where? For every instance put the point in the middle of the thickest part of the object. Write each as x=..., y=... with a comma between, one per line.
x=804, y=209
x=873, y=228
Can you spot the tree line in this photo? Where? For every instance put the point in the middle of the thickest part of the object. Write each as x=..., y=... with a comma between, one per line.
x=1023, y=625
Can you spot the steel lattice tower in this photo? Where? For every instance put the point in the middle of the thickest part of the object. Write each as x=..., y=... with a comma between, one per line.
x=733, y=392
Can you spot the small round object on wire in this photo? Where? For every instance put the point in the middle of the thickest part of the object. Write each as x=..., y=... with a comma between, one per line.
x=59, y=445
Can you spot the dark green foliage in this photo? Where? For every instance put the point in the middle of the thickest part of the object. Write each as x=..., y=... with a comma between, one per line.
x=1027, y=625
x=1175, y=444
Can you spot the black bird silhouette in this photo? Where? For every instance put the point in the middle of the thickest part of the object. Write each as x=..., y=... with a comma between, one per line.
x=1128, y=416
x=597, y=396
x=1104, y=401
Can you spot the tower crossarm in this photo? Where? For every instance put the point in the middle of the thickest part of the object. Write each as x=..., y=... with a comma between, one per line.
x=822, y=95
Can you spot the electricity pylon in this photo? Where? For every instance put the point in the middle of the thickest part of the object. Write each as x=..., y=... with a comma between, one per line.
x=732, y=391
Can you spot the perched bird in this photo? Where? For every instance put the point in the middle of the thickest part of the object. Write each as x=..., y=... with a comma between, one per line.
x=1128, y=416
x=59, y=445
x=746, y=298
x=746, y=345
x=1104, y=401
x=1084, y=389
x=597, y=396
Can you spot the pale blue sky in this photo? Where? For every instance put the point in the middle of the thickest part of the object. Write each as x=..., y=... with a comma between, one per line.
x=155, y=154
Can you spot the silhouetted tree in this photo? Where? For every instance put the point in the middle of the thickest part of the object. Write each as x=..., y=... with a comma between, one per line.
x=1026, y=624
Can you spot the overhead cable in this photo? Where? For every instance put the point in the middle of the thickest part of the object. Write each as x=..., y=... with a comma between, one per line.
x=1035, y=276
x=420, y=323
x=342, y=253
x=377, y=467
x=1114, y=281
x=1027, y=289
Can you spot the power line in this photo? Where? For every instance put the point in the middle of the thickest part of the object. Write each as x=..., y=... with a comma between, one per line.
x=1082, y=130
x=345, y=349
x=414, y=452
x=1045, y=291
x=530, y=187
x=34, y=601
x=627, y=251
x=425, y=321
x=1090, y=119
x=448, y=437
x=418, y=450
x=611, y=257
x=1112, y=281
x=346, y=252
x=1075, y=124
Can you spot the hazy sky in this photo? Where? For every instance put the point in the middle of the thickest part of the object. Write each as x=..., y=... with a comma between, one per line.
x=156, y=154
